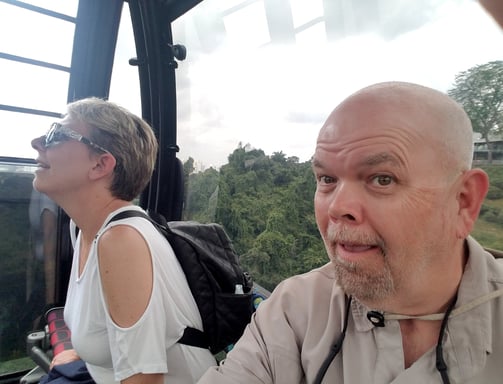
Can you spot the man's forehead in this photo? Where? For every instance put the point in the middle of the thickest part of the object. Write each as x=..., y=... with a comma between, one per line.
x=390, y=125
x=368, y=159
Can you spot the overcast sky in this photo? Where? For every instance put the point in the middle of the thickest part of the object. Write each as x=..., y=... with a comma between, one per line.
x=276, y=97
x=235, y=87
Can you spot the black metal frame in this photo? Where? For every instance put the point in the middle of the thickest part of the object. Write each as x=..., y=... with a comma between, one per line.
x=156, y=65
x=95, y=39
x=92, y=61
x=96, y=30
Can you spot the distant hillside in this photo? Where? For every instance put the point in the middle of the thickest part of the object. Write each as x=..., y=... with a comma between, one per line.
x=266, y=206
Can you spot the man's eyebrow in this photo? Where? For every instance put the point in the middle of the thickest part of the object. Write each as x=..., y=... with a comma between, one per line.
x=380, y=158
x=315, y=163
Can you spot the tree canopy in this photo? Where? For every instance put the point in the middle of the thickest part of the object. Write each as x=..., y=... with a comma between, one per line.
x=265, y=204
x=480, y=91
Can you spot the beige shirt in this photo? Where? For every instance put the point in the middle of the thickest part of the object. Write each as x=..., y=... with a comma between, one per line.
x=293, y=331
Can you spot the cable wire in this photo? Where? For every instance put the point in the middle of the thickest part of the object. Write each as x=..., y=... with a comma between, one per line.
x=440, y=362
x=335, y=348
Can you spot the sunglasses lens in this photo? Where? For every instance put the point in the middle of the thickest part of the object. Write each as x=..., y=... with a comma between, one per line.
x=53, y=136
x=49, y=136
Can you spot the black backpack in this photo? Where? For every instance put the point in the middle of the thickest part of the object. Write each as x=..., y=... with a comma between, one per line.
x=212, y=269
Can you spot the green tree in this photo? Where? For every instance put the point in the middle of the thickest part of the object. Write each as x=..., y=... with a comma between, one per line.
x=201, y=194
x=480, y=91
x=265, y=204
x=188, y=167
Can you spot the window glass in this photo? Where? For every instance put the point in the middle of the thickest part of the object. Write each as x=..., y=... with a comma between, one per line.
x=234, y=19
x=23, y=128
x=32, y=86
x=125, y=83
x=306, y=12
x=35, y=36
x=28, y=219
x=27, y=262
x=67, y=7
x=261, y=77
x=234, y=87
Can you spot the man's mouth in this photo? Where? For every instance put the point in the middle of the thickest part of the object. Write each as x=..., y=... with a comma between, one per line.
x=353, y=244
x=350, y=247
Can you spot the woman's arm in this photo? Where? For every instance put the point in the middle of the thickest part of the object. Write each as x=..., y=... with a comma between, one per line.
x=64, y=357
x=126, y=274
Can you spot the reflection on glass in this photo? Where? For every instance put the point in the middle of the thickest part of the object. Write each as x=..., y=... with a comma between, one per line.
x=27, y=262
x=261, y=77
x=268, y=73
x=43, y=214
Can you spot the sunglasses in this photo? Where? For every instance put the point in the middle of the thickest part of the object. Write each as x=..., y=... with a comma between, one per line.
x=57, y=133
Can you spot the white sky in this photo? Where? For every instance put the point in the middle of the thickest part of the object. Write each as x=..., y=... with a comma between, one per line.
x=272, y=97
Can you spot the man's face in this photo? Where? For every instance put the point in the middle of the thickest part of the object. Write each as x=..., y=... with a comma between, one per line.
x=384, y=207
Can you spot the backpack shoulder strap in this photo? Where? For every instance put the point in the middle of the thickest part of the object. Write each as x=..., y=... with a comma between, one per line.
x=131, y=213
x=195, y=338
x=191, y=336
x=74, y=230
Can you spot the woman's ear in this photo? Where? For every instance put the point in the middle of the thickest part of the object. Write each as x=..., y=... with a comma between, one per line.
x=104, y=166
x=471, y=194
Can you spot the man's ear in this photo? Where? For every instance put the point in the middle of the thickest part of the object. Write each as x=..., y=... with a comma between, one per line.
x=471, y=194
x=104, y=166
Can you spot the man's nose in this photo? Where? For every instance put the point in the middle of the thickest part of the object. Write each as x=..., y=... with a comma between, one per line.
x=346, y=203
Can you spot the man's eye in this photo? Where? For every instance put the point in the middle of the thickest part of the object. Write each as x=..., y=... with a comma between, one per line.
x=325, y=180
x=383, y=180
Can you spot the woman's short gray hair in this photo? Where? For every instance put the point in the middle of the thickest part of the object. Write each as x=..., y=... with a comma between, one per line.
x=128, y=138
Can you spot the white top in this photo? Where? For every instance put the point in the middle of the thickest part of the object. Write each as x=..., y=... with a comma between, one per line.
x=113, y=353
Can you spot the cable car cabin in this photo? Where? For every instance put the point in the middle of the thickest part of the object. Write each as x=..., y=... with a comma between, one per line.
x=236, y=91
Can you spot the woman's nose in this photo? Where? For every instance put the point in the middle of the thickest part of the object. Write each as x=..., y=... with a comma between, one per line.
x=38, y=143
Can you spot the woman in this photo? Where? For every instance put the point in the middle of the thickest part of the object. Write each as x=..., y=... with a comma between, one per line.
x=128, y=300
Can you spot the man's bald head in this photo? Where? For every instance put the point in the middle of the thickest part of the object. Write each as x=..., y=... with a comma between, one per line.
x=396, y=196
x=432, y=113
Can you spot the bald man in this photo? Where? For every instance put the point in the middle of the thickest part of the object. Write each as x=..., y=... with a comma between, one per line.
x=408, y=296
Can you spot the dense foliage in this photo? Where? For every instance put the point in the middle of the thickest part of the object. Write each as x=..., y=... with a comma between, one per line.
x=266, y=206
x=480, y=91
x=489, y=228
